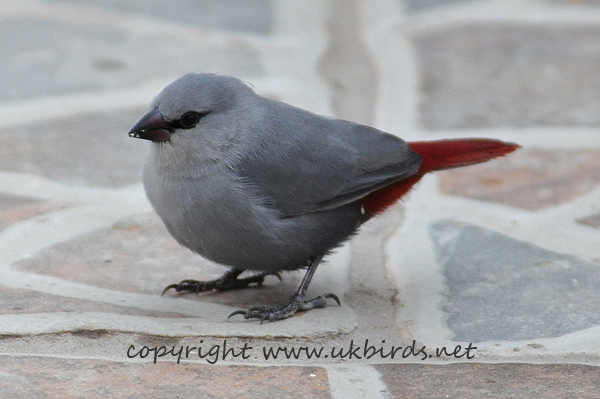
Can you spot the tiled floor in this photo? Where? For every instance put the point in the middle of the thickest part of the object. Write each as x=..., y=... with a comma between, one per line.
x=502, y=256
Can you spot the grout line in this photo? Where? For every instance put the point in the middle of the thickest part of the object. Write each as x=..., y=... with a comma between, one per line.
x=396, y=110
x=34, y=186
x=356, y=381
x=503, y=11
x=31, y=110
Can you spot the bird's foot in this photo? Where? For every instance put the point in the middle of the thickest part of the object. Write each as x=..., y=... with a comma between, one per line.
x=228, y=281
x=297, y=303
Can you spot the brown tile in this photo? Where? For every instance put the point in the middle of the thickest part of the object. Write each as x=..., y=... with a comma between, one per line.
x=23, y=301
x=134, y=255
x=473, y=380
x=14, y=208
x=529, y=178
x=138, y=255
x=509, y=75
x=593, y=221
x=35, y=377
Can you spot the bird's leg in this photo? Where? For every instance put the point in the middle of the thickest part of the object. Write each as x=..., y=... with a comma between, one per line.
x=228, y=281
x=296, y=303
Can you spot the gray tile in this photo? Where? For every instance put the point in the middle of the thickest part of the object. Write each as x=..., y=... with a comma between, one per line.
x=237, y=15
x=37, y=56
x=569, y=2
x=45, y=57
x=89, y=149
x=509, y=75
x=499, y=288
x=419, y=5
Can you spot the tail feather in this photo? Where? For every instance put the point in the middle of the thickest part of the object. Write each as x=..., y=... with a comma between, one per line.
x=445, y=154
x=437, y=155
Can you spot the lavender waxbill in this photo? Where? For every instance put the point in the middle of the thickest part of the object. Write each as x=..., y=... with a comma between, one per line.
x=259, y=185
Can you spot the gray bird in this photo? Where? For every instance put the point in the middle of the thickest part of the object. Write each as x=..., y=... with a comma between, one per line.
x=256, y=184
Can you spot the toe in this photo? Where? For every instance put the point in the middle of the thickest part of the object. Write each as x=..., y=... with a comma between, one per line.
x=237, y=312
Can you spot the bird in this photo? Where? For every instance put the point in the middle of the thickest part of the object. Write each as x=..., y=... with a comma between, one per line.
x=262, y=186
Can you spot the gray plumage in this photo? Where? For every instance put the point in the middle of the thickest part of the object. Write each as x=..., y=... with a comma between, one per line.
x=259, y=184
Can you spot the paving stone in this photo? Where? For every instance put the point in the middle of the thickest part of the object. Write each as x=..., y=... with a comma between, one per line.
x=40, y=56
x=509, y=75
x=499, y=288
x=584, y=2
x=593, y=221
x=91, y=149
x=529, y=178
x=14, y=208
x=475, y=75
x=125, y=257
x=421, y=5
x=254, y=16
x=138, y=255
x=19, y=301
x=48, y=57
x=475, y=381
x=348, y=66
x=40, y=377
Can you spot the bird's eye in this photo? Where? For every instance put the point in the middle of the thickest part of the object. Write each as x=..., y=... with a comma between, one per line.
x=189, y=119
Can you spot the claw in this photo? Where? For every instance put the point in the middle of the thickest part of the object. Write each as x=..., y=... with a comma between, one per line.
x=296, y=304
x=168, y=287
x=237, y=312
x=334, y=297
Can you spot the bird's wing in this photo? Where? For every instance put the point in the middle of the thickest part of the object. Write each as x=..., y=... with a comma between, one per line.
x=302, y=163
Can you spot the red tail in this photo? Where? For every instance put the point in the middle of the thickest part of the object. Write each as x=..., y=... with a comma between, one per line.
x=437, y=155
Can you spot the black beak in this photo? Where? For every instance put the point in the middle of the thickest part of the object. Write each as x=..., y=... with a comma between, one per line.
x=153, y=127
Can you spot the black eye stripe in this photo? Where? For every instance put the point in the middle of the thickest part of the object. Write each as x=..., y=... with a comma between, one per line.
x=188, y=120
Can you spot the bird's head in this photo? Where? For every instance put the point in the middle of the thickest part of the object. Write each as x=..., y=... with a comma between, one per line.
x=185, y=103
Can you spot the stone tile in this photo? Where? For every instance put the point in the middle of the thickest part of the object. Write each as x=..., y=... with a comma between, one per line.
x=348, y=66
x=138, y=255
x=17, y=301
x=475, y=381
x=584, y=2
x=15, y=208
x=254, y=16
x=124, y=257
x=420, y=5
x=47, y=57
x=91, y=149
x=499, y=288
x=509, y=75
x=39, y=377
x=529, y=178
x=593, y=221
